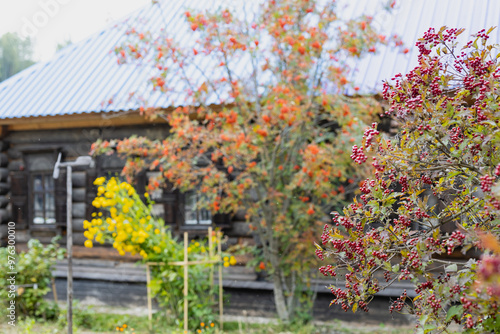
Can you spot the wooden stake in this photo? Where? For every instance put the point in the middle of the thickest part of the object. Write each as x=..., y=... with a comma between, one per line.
x=185, y=282
x=219, y=250
x=150, y=307
x=211, y=254
x=54, y=291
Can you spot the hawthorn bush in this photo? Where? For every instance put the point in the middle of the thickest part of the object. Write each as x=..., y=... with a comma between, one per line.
x=272, y=137
x=433, y=193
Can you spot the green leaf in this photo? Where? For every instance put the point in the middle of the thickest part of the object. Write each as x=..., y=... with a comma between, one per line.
x=451, y=268
x=454, y=311
x=429, y=328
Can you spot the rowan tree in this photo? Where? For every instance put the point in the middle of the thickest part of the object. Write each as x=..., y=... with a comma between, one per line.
x=433, y=193
x=271, y=137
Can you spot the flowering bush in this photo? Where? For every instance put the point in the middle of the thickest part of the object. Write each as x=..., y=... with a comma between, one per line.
x=128, y=223
x=434, y=189
x=266, y=128
x=33, y=279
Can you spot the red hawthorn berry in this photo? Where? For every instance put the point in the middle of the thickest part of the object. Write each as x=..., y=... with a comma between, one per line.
x=194, y=26
x=256, y=43
x=353, y=49
x=343, y=81
x=262, y=132
x=188, y=14
x=266, y=118
x=230, y=169
x=310, y=211
x=195, y=52
x=302, y=50
x=280, y=167
x=316, y=45
x=262, y=266
x=406, y=50
x=122, y=52
x=372, y=49
x=314, y=149
x=284, y=109
x=363, y=25
x=160, y=82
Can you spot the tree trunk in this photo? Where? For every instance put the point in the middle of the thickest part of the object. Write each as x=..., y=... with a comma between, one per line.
x=279, y=297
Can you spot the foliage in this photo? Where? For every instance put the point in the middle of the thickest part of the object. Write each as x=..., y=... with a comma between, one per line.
x=128, y=223
x=102, y=321
x=433, y=190
x=277, y=143
x=15, y=55
x=33, y=279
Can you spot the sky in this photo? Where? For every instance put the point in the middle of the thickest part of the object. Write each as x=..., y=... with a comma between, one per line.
x=49, y=22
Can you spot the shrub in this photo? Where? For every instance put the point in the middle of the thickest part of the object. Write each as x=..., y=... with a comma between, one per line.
x=434, y=191
x=33, y=279
x=129, y=224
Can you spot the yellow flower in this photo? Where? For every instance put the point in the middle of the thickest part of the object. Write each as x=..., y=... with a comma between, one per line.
x=100, y=190
x=146, y=195
x=99, y=181
x=88, y=244
x=226, y=264
x=157, y=231
x=232, y=260
x=202, y=324
x=86, y=224
x=226, y=259
x=212, y=324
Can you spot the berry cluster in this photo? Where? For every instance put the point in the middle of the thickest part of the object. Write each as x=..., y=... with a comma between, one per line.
x=486, y=183
x=319, y=254
x=399, y=303
x=455, y=239
x=327, y=270
x=358, y=155
x=369, y=134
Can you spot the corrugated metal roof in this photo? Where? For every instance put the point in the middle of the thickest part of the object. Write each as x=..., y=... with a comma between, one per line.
x=82, y=78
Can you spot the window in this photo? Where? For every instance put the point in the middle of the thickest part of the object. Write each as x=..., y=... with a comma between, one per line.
x=180, y=210
x=193, y=214
x=38, y=201
x=43, y=198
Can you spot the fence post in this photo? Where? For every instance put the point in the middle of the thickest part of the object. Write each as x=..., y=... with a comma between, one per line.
x=185, y=282
x=150, y=308
x=219, y=250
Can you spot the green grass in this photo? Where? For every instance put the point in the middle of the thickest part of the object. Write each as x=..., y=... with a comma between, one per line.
x=88, y=320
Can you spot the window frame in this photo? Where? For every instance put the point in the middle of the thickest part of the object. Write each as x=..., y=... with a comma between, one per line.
x=32, y=194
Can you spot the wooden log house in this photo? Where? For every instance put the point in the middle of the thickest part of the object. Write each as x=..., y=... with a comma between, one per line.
x=82, y=94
